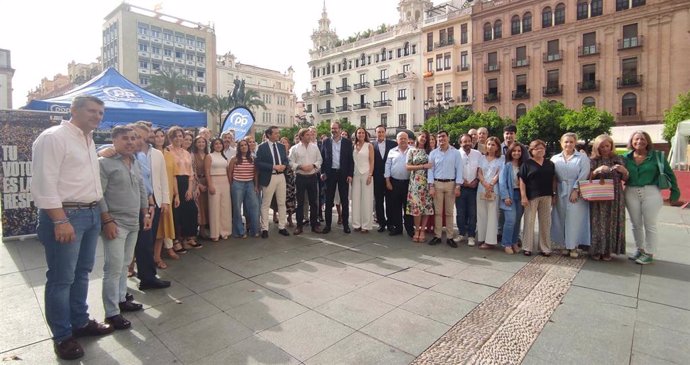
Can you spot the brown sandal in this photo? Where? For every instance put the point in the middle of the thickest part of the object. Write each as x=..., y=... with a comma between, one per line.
x=161, y=265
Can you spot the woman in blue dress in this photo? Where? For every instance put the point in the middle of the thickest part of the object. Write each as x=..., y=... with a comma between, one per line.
x=570, y=216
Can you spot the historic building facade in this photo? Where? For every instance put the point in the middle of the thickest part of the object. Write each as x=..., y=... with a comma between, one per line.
x=6, y=75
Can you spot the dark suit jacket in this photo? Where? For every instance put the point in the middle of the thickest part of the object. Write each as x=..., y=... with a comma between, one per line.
x=380, y=163
x=346, y=160
x=264, y=162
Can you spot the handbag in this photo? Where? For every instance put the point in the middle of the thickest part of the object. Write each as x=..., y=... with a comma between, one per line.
x=596, y=190
x=664, y=181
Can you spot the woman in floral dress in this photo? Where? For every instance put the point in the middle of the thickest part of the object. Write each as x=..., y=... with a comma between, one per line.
x=419, y=203
x=607, y=217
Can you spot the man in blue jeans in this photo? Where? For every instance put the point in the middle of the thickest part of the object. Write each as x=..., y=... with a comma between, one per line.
x=66, y=188
x=466, y=204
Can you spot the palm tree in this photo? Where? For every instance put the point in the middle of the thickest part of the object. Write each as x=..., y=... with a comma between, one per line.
x=169, y=85
x=252, y=100
x=198, y=102
x=219, y=105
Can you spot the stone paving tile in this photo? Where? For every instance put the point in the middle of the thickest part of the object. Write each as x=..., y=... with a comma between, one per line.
x=320, y=249
x=10, y=261
x=264, y=264
x=464, y=290
x=664, y=316
x=266, y=311
x=205, y=276
x=405, y=330
x=442, y=266
x=319, y=267
x=349, y=257
x=638, y=358
x=439, y=307
x=618, y=276
x=351, y=278
x=666, y=283
x=376, y=250
x=235, y=294
x=23, y=321
x=583, y=296
x=361, y=350
x=313, y=293
x=418, y=278
x=379, y=266
x=306, y=335
x=354, y=310
x=251, y=351
x=172, y=315
x=284, y=278
x=662, y=343
x=390, y=291
x=484, y=276
x=204, y=337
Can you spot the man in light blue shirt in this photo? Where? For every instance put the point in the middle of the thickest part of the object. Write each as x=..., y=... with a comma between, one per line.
x=397, y=183
x=445, y=179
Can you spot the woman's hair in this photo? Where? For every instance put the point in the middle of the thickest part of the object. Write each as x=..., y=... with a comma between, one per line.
x=645, y=135
x=536, y=143
x=213, y=141
x=172, y=132
x=597, y=143
x=426, y=147
x=509, y=152
x=195, y=149
x=247, y=156
x=568, y=135
x=495, y=140
x=366, y=135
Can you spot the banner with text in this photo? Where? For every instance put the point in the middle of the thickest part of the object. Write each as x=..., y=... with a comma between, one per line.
x=18, y=130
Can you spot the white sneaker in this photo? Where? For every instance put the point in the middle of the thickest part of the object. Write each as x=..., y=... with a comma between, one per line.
x=471, y=241
x=459, y=238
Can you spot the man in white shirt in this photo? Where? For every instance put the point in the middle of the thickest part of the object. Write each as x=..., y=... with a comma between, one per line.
x=397, y=183
x=230, y=150
x=66, y=188
x=305, y=160
x=466, y=203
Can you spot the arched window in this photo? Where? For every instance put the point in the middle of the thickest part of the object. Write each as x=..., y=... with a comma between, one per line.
x=629, y=104
x=589, y=101
x=520, y=110
x=493, y=109
x=559, y=14
x=488, y=32
x=527, y=22
x=498, y=29
x=582, y=10
x=515, y=25
x=546, y=15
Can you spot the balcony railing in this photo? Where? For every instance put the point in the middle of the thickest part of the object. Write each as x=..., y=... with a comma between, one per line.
x=553, y=57
x=492, y=67
x=361, y=85
x=381, y=103
x=325, y=92
x=520, y=94
x=629, y=81
x=360, y=106
x=462, y=68
x=592, y=49
x=446, y=43
x=523, y=62
x=326, y=110
x=403, y=97
x=464, y=99
x=343, y=108
x=342, y=89
x=492, y=97
x=553, y=90
x=588, y=86
x=631, y=42
x=380, y=82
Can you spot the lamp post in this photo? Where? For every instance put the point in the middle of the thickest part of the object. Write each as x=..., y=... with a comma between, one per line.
x=442, y=105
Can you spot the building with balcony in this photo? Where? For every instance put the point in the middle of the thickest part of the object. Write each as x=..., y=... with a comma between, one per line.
x=6, y=75
x=77, y=74
x=372, y=79
x=140, y=43
x=447, y=52
x=623, y=56
x=274, y=88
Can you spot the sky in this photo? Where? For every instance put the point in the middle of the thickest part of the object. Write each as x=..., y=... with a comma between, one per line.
x=44, y=36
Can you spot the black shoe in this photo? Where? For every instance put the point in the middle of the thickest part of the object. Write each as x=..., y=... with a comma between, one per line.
x=346, y=229
x=284, y=232
x=129, y=297
x=434, y=241
x=382, y=229
x=129, y=306
x=118, y=322
x=451, y=243
x=395, y=233
x=154, y=284
x=68, y=349
x=264, y=234
x=326, y=229
x=93, y=328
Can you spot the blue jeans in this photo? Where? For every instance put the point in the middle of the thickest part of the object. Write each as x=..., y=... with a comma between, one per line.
x=511, y=224
x=69, y=265
x=243, y=194
x=117, y=254
x=466, y=216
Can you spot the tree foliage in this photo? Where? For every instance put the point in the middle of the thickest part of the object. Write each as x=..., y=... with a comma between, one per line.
x=588, y=123
x=290, y=132
x=325, y=128
x=169, y=85
x=460, y=120
x=545, y=122
x=198, y=102
x=679, y=112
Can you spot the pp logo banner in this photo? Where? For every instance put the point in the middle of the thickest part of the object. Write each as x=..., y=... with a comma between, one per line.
x=117, y=93
x=239, y=120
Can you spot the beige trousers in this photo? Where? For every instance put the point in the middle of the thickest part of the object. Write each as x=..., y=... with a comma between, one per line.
x=541, y=205
x=445, y=191
x=219, y=212
x=278, y=187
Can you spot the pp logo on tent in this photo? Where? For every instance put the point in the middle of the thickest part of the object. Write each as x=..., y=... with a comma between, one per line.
x=240, y=120
x=59, y=108
x=117, y=93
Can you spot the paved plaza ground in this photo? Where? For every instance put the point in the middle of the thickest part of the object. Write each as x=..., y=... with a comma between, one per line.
x=375, y=299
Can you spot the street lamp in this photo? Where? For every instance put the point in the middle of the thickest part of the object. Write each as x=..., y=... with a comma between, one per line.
x=442, y=105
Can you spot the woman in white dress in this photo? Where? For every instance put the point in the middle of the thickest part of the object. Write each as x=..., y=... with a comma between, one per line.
x=362, y=187
x=488, y=173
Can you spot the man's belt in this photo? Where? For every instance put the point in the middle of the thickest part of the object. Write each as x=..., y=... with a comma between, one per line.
x=76, y=205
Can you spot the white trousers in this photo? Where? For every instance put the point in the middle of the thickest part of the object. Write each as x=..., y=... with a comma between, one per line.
x=278, y=187
x=644, y=204
x=362, y=202
x=219, y=212
x=487, y=220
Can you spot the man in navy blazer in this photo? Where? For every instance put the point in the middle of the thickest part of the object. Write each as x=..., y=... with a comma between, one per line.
x=336, y=170
x=271, y=162
x=381, y=194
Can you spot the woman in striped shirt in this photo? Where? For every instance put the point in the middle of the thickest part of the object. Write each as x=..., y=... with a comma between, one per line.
x=243, y=191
